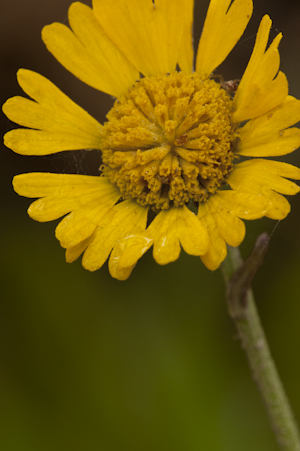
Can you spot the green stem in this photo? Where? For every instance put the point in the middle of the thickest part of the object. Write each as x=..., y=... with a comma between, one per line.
x=241, y=305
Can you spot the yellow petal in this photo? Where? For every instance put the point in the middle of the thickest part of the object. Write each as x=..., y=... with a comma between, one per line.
x=41, y=184
x=74, y=252
x=230, y=227
x=61, y=193
x=31, y=114
x=216, y=253
x=217, y=249
x=220, y=215
x=81, y=223
x=263, y=175
x=266, y=136
x=186, y=51
x=174, y=227
x=168, y=230
x=53, y=207
x=35, y=142
x=259, y=99
x=243, y=205
x=274, y=144
x=280, y=206
x=116, y=270
x=132, y=248
x=60, y=123
x=223, y=28
x=124, y=218
x=148, y=35
x=266, y=177
x=259, y=91
x=88, y=53
x=47, y=94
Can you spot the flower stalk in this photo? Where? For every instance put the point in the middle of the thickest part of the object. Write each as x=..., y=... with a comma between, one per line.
x=238, y=276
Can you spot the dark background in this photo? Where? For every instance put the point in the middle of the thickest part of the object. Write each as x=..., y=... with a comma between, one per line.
x=153, y=363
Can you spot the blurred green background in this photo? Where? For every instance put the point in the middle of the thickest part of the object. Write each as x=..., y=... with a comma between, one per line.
x=153, y=363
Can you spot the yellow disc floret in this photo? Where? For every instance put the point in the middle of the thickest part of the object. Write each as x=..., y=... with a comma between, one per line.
x=169, y=140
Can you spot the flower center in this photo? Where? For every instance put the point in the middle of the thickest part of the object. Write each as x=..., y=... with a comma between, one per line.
x=168, y=140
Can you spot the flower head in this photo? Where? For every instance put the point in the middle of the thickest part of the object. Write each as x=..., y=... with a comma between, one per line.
x=171, y=141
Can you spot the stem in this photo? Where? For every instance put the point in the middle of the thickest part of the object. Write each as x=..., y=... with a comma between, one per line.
x=241, y=305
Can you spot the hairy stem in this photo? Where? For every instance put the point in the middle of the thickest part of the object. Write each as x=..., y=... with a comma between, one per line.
x=238, y=276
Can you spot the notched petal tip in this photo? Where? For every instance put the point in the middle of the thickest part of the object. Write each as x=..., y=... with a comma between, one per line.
x=115, y=269
x=224, y=25
x=212, y=259
x=132, y=248
x=262, y=87
x=269, y=135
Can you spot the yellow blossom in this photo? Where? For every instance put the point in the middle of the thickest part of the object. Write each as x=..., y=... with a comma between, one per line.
x=171, y=140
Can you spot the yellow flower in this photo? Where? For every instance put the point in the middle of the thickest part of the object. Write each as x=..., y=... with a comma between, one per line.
x=172, y=138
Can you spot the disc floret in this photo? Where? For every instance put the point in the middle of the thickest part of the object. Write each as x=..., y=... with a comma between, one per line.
x=169, y=140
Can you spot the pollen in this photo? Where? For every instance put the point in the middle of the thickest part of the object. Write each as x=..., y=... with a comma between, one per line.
x=169, y=140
